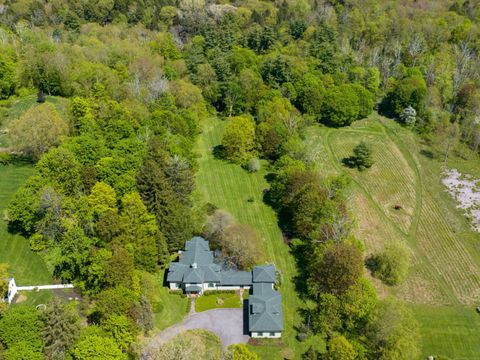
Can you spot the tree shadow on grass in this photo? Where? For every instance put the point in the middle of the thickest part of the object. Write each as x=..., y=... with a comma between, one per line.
x=300, y=280
x=218, y=152
x=427, y=153
x=15, y=159
x=350, y=162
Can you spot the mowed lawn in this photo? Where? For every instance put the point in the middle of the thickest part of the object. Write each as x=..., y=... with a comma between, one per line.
x=168, y=308
x=230, y=187
x=452, y=331
x=443, y=286
x=214, y=300
x=26, y=266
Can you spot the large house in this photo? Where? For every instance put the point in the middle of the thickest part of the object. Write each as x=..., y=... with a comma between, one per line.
x=196, y=272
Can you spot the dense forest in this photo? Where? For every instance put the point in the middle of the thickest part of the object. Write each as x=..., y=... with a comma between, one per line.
x=122, y=90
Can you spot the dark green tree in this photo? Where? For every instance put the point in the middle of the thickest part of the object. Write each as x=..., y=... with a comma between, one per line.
x=61, y=329
x=362, y=156
x=335, y=270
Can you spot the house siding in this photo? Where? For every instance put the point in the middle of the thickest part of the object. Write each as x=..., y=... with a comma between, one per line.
x=266, y=334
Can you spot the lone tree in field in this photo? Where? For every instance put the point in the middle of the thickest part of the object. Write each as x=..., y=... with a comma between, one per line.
x=239, y=139
x=37, y=130
x=362, y=156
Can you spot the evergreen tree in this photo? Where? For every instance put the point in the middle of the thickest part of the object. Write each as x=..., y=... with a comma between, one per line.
x=174, y=218
x=362, y=154
x=60, y=331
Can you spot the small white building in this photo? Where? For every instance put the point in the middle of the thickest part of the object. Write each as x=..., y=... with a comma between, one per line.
x=12, y=290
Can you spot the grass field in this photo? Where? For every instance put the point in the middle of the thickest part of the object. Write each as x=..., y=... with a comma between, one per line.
x=443, y=285
x=230, y=187
x=26, y=266
x=168, y=309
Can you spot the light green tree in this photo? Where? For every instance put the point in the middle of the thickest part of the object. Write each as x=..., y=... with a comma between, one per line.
x=339, y=348
x=102, y=198
x=239, y=139
x=240, y=352
x=95, y=347
x=37, y=130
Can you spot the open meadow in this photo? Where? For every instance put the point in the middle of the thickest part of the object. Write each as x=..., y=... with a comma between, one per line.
x=401, y=199
x=232, y=188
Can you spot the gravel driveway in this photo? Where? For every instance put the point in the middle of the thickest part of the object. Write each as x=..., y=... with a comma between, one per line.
x=226, y=323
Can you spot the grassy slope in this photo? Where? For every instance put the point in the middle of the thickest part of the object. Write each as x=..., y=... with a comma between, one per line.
x=168, y=309
x=444, y=280
x=26, y=266
x=228, y=186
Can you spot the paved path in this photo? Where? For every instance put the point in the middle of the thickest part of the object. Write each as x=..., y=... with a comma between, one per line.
x=226, y=323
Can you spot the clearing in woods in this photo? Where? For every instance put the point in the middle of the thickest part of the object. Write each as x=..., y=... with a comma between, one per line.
x=232, y=188
x=443, y=286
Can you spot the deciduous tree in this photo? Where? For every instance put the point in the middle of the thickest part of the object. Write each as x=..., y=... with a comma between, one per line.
x=38, y=129
x=239, y=138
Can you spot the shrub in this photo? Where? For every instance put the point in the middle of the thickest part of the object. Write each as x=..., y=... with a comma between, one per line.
x=253, y=165
x=5, y=158
x=391, y=265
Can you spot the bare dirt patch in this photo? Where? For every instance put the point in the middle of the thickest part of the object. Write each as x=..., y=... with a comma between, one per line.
x=466, y=190
x=21, y=298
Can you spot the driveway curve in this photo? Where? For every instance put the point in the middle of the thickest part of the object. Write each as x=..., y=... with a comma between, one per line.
x=225, y=323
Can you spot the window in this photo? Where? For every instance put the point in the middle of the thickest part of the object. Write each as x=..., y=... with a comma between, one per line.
x=211, y=285
x=260, y=334
x=272, y=334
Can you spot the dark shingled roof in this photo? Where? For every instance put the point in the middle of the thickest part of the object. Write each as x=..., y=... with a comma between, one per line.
x=265, y=309
x=264, y=274
x=197, y=252
x=236, y=278
x=196, y=266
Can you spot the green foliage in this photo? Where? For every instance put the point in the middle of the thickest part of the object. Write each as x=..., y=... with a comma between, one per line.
x=240, y=352
x=340, y=349
x=22, y=350
x=21, y=324
x=362, y=156
x=37, y=130
x=409, y=91
x=391, y=265
x=276, y=71
x=117, y=301
x=336, y=270
x=345, y=103
x=394, y=332
x=3, y=281
x=96, y=347
x=61, y=168
x=102, y=198
x=121, y=329
x=7, y=76
x=239, y=139
x=61, y=329
x=160, y=188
